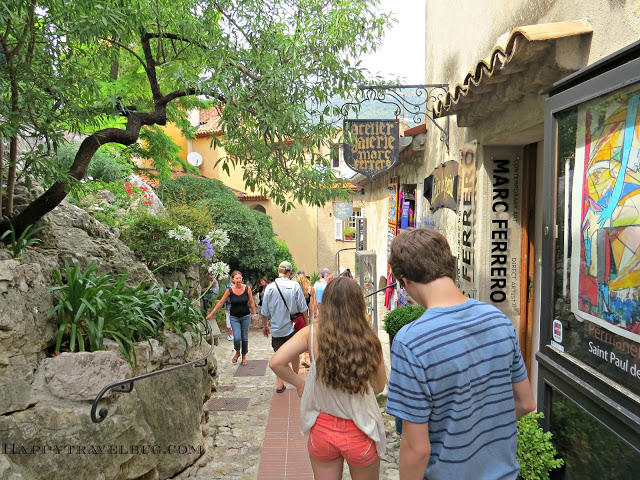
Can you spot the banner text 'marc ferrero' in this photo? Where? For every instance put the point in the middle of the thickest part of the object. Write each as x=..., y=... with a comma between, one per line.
x=371, y=146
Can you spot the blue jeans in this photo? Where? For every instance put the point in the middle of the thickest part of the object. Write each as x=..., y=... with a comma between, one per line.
x=240, y=327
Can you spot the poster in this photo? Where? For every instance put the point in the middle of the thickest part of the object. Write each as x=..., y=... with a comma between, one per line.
x=605, y=216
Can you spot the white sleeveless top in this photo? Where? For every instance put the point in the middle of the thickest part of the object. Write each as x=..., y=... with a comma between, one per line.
x=361, y=408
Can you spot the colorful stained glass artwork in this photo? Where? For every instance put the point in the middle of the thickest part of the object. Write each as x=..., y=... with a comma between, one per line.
x=606, y=214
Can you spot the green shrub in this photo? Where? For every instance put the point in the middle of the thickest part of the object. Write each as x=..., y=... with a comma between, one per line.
x=188, y=189
x=148, y=237
x=128, y=202
x=401, y=316
x=252, y=246
x=106, y=165
x=535, y=450
x=282, y=254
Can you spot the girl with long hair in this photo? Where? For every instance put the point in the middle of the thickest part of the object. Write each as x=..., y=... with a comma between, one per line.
x=242, y=304
x=339, y=411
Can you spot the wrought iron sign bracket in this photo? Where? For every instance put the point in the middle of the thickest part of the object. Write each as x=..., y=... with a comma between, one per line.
x=420, y=102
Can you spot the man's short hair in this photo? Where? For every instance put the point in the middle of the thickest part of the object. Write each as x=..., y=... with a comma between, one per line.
x=285, y=267
x=422, y=255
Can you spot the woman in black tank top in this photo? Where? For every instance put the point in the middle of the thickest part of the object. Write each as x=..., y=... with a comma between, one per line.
x=242, y=305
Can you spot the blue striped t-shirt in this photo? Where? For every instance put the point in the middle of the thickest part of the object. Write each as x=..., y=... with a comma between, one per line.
x=454, y=368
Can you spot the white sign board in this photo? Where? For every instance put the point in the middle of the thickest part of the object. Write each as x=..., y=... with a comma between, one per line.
x=342, y=210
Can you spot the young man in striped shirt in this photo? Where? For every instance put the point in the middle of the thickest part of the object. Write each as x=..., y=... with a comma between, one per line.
x=457, y=381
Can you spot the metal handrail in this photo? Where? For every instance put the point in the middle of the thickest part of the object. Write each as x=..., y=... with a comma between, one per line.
x=102, y=414
x=391, y=285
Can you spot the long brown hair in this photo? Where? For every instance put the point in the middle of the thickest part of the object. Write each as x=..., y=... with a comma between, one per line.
x=304, y=283
x=349, y=351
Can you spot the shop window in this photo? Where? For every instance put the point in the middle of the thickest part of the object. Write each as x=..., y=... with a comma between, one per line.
x=597, y=291
x=407, y=206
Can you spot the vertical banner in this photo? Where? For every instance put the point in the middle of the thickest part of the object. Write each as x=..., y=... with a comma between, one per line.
x=501, y=266
x=467, y=220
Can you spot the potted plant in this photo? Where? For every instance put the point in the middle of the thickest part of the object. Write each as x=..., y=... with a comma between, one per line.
x=349, y=233
x=398, y=318
x=536, y=453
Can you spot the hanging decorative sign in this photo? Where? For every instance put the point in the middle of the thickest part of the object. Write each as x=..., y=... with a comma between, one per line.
x=342, y=210
x=371, y=146
x=441, y=187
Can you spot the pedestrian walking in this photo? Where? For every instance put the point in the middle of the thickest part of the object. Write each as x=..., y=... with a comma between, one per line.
x=212, y=289
x=457, y=381
x=241, y=300
x=310, y=299
x=339, y=411
x=258, y=295
x=319, y=287
x=282, y=298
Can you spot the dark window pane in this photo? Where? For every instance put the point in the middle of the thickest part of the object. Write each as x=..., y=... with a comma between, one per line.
x=589, y=449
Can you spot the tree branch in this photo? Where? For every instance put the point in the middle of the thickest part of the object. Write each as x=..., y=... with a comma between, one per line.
x=114, y=42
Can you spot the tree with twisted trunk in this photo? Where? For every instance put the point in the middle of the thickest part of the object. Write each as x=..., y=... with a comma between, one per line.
x=114, y=70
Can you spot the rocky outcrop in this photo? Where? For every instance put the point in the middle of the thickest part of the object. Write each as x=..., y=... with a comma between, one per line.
x=153, y=432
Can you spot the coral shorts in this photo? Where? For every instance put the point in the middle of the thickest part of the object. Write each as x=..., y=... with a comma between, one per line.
x=331, y=438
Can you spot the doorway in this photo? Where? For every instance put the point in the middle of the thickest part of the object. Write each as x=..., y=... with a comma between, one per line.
x=527, y=256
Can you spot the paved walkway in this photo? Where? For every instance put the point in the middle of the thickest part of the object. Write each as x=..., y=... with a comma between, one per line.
x=262, y=442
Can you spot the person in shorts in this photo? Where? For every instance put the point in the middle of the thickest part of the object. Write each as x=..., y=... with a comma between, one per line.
x=339, y=411
x=282, y=298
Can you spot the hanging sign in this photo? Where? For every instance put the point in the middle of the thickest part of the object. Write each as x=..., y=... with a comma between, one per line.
x=441, y=187
x=371, y=146
x=342, y=210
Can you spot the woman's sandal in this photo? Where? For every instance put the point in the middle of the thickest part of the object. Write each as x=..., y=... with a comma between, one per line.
x=244, y=363
x=235, y=359
x=280, y=390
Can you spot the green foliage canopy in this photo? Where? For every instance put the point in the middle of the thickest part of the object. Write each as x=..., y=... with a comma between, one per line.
x=252, y=246
x=114, y=69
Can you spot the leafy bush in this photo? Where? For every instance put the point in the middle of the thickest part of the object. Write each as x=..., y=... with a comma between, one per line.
x=282, y=254
x=148, y=237
x=93, y=307
x=535, y=450
x=106, y=165
x=349, y=231
x=187, y=189
x=401, y=316
x=252, y=246
x=118, y=213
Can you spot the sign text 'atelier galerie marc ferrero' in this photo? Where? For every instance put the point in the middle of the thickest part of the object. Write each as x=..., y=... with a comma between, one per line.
x=371, y=146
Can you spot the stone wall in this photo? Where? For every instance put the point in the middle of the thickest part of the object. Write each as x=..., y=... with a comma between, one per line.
x=153, y=432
